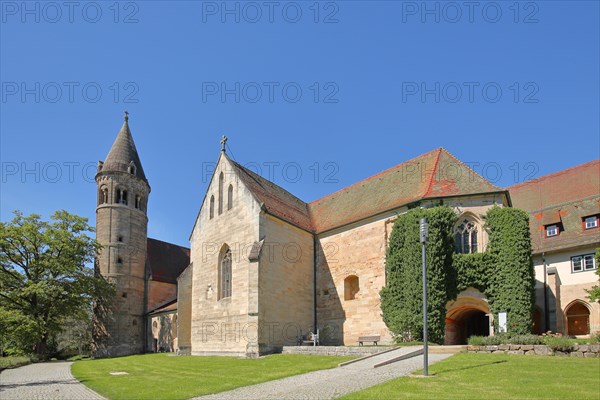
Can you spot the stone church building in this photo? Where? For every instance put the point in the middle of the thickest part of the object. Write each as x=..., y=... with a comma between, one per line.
x=265, y=267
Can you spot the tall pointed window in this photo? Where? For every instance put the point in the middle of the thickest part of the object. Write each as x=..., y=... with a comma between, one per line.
x=230, y=197
x=212, y=207
x=465, y=237
x=220, y=193
x=225, y=275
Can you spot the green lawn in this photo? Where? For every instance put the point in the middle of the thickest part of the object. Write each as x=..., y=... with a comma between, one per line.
x=159, y=376
x=496, y=376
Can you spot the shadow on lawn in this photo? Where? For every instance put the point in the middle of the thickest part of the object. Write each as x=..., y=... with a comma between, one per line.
x=442, y=372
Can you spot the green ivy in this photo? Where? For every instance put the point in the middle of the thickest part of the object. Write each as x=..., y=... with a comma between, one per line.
x=504, y=273
x=401, y=298
x=512, y=278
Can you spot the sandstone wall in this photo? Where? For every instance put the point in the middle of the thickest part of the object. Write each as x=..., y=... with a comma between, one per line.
x=222, y=326
x=285, y=290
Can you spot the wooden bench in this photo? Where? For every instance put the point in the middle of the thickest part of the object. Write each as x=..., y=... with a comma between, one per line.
x=373, y=339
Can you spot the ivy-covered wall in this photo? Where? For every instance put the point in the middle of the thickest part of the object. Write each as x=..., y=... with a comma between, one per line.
x=504, y=273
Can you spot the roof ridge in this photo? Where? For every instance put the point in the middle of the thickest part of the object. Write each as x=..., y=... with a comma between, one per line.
x=373, y=176
x=554, y=174
x=435, y=166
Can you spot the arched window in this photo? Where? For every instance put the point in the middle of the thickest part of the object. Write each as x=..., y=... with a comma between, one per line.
x=138, y=202
x=578, y=319
x=103, y=195
x=225, y=274
x=465, y=237
x=351, y=287
x=121, y=196
x=212, y=207
x=230, y=197
x=220, y=193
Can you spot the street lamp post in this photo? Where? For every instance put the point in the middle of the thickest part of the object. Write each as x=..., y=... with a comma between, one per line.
x=424, y=233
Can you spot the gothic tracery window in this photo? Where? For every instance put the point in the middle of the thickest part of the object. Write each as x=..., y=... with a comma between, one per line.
x=465, y=237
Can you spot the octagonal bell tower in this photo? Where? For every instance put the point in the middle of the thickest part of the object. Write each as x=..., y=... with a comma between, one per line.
x=121, y=228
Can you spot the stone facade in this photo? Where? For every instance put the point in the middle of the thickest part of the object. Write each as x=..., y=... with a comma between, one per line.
x=223, y=325
x=122, y=230
x=267, y=267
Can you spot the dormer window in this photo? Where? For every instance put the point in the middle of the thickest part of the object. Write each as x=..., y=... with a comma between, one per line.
x=131, y=169
x=552, y=230
x=590, y=222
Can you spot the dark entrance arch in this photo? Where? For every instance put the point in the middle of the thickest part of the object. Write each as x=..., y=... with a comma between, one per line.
x=467, y=316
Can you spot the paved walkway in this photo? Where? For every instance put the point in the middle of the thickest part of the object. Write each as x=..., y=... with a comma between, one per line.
x=51, y=380
x=332, y=383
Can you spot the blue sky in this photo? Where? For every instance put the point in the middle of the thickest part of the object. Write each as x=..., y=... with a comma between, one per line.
x=334, y=91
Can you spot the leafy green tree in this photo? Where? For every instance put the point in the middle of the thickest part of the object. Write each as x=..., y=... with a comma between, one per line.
x=44, y=278
x=594, y=293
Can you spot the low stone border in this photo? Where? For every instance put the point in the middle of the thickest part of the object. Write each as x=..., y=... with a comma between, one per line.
x=336, y=350
x=578, y=350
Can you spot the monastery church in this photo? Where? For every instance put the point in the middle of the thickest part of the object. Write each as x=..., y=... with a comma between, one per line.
x=264, y=266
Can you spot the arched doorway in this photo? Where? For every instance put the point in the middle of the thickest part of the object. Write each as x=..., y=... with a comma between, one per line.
x=578, y=319
x=467, y=316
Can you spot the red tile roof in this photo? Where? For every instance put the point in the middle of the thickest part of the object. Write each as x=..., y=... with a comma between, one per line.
x=166, y=261
x=564, y=197
x=432, y=175
x=276, y=200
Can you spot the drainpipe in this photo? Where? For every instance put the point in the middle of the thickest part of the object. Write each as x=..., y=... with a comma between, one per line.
x=315, y=241
x=546, y=314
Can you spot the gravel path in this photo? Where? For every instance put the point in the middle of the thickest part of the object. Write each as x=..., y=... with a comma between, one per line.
x=332, y=383
x=52, y=380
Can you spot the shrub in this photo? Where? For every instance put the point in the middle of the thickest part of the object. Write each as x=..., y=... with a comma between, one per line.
x=525, y=339
x=14, y=362
x=559, y=343
x=477, y=340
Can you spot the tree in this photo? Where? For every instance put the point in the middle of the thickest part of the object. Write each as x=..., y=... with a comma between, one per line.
x=594, y=293
x=44, y=278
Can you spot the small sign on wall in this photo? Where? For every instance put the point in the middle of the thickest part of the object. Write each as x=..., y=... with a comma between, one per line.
x=501, y=322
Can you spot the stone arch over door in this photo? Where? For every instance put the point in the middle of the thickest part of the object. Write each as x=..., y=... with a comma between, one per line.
x=468, y=315
x=577, y=318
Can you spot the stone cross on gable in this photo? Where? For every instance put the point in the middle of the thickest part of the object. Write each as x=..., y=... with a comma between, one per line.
x=223, y=143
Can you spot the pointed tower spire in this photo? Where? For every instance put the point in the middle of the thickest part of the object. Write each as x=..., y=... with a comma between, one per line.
x=123, y=155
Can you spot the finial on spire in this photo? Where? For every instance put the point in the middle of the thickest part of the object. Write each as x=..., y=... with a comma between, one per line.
x=126, y=116
x=223, y=143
